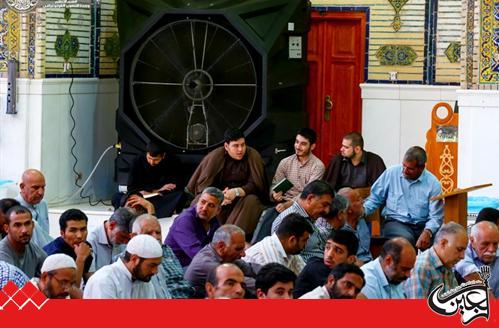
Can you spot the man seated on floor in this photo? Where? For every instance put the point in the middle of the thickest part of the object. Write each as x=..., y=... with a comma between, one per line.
x=354, y=167
x=169, y=282
x=314, y=202
x=58, y=279
x=238, y=171
x=225, y=281
x=5, y=205
x=385, y=274
x=154, y=173
x=73, y=242
x=107, y=238
x=17, y=248
x=8, y=272
x=300, y=168
x=275, y=281
x=31, y=193
x=406, y=190
x=482, y=250
x=434, y=266
x=227, y=246
x=341, y=247
x=130, y=276
x=194, y=227
x=357, y=224
x=284, y=246
x=345, y=281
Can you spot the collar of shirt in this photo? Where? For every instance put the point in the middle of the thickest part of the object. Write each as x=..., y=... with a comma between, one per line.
x=102, y=236
x=215, y=254
x=435, y=260
x=300, y=164
x=119, y=265
x=298, y=209
x=381, y=277
x=278, y=246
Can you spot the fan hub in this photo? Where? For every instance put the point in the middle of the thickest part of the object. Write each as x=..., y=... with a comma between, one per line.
x=197, y=84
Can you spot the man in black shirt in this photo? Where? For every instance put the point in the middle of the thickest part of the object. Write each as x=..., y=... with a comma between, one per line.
x=154, y=173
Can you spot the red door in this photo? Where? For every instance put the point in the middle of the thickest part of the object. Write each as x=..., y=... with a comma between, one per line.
x=336, y=49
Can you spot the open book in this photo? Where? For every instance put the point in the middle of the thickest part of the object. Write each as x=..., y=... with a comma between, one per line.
x=154, y=194
x=284, y=185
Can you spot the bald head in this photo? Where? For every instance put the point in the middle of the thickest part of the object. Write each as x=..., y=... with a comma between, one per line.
x=355, y=209
x=397, y=259
x=484, y=238
x=32, y=186
x=147, y=224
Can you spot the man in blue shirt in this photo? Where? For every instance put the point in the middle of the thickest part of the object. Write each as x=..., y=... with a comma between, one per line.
x=406, y=191
x=384, y=275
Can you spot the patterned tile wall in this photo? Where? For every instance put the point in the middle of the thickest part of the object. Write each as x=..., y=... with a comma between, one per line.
x=448, y=41
x=109, y=39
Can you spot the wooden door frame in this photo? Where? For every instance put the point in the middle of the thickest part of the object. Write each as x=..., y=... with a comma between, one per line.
x=321, y=15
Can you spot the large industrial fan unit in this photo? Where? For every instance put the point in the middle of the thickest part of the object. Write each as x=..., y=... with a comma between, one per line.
x=191, y=69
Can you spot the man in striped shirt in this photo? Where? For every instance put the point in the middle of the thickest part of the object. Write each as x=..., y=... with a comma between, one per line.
x=314, y=202
x=284, y=245
x=434, y=266
x=300, y=169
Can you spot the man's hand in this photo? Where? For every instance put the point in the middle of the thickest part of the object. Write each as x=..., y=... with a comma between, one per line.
x=229, y=196
x=282, y=206
x=424, y=240
x=136, y=201
x=277, y=196
x=82, y=251
x=168, y=187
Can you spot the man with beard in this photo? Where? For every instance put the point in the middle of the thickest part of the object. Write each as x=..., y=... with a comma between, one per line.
x=17, y=248
x=482, y=250
x=284, y=246
x=154, y=173
x=129, y=277
x=238, y=171
x=384, y=275
x=434, y=266
x=31, y=193
x=194, y=227
x=58, y=279
x=354, y=167
x=345, y=281
x=300, y=168
x=225, y=281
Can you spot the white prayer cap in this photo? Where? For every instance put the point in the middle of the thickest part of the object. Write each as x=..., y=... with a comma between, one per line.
x=144, y=246
x=58, y=261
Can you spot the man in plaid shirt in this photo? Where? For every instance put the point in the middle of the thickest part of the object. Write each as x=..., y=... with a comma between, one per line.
x=434, y=266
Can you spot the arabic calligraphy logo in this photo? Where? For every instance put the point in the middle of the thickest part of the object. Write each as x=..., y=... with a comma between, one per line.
x=471, y=299
x=22, y=5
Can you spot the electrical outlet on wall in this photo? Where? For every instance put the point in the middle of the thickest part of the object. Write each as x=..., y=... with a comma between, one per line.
x=393, y=76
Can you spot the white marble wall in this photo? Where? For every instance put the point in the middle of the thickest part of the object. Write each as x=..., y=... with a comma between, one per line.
x=38, y=136
x=478, y=140
x=396, y=117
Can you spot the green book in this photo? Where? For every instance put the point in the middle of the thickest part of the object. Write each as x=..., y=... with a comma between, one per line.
x=284, y=185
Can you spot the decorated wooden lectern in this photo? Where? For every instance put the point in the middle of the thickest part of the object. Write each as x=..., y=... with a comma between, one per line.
x=456, y=204
x=441, y=148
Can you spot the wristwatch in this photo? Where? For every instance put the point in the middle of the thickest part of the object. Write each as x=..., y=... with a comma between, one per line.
x=237, y=192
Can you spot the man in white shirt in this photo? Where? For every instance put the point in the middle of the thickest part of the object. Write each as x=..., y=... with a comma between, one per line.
x=345, y=281
x=58, y=279
x=129, y=277
x=284, y=245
